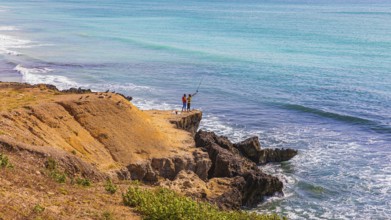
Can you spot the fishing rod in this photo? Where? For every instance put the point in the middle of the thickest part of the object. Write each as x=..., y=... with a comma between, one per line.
x=202, y=79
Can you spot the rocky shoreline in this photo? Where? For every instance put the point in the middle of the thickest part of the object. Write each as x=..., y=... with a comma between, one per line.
x=101, y=135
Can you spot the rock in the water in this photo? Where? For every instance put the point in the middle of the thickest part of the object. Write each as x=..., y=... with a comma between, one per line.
x=258, y=185
x=276, y=155
x=250, y=148
x=254, y=184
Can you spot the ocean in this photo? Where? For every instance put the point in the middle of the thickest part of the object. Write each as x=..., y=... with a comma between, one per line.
x=310, y=75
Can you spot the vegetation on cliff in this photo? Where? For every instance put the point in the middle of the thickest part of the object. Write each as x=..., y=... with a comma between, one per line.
x=163, y=204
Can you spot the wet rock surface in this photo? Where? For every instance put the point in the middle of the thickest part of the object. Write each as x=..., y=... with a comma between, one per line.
x=276, y=155
x=251, y=149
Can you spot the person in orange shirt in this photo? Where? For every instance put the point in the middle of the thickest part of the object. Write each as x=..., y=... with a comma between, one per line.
x=184, y=102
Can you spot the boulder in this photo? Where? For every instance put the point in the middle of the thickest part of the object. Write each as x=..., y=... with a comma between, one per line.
x=276, y=155
x=142, y=171
x=224, y=192
x=204, y=138
x=150, y=170
x=226, y=163
x=257, y=186
x=250, y=148
x=253, y=184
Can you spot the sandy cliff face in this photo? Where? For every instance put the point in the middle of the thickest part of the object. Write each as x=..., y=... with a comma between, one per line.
x=101, y=135
x=101, y=128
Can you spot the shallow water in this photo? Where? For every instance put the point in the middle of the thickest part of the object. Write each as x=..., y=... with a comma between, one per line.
x=310, y=76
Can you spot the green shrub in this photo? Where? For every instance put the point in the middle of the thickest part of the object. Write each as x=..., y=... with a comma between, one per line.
x=83, y=182
x=58, y=176
x=110, y=187
x=51, y=164
x=4, y=161
x=107, y=216
x=38, y=208
x=54, y=173
x=162, y=204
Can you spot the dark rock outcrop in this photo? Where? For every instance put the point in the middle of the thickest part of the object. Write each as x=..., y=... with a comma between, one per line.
x=224, y=192
x=76, y=90
x=251, y=149
x=189, y=122
x=226, y=163
x=150, y=170
x=129, y=98
x=276, y=155
x=229, y=163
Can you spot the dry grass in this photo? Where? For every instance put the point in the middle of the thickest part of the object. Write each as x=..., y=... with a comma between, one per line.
x=13, y=97
x=26, y=192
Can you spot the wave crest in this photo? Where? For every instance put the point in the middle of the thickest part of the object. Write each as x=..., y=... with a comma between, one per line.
x=39, y=75
x=373, y=125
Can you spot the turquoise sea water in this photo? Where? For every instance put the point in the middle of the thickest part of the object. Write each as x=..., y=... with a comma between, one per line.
x=309, y=75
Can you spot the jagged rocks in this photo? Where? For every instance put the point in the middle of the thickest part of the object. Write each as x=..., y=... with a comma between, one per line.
x=151, y=170
x=76, y=90
x=251, y=149
x=276, y=155
x=142, y=171
x=129, y=98
x=189, y=122
x=254, y=184
x=204, y=138
x=224, y=192
x=258, y=185
x=226, y=163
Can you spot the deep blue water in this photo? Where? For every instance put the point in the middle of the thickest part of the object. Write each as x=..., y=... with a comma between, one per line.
x=310, y=75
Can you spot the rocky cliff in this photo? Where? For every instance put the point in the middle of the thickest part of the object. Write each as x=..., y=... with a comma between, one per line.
x=99, y=135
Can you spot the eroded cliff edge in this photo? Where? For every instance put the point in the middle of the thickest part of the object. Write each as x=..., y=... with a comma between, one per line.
x=102, y=135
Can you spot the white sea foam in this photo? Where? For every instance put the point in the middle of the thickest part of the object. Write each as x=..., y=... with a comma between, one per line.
x=214, y=123
x=8, y=28
x=42, y=75
x=7, y=43
x=39, y=75
x=151, y=104
x=128, y=87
